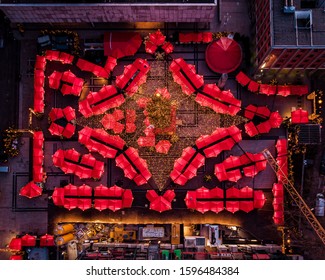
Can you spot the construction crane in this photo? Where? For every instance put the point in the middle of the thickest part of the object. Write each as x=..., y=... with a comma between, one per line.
x=318, y=228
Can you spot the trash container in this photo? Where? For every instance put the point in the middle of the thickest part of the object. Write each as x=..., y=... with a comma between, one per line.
x=165, y=254
x=178, y=254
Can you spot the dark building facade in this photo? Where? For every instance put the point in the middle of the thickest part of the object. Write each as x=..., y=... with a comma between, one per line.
x=290, y=34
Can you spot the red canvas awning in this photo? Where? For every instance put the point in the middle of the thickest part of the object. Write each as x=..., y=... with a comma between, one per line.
x=223, y=55
x=28, y=241
x=31, y=190
x=121, y=44
x=47, y=240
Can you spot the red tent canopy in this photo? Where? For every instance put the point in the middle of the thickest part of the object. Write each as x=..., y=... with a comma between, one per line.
x=223, y=55
x=47, y=240
x=15, y=244
x=28, y=240
x=31, y=190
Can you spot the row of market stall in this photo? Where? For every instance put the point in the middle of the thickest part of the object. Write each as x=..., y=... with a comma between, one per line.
x=116, y=198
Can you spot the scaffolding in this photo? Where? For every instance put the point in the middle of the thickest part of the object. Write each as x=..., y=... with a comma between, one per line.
x=305, y=210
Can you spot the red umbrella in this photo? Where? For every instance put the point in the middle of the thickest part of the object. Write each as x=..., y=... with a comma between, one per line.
x=203, y=206
x=246, y=192
x=58, y=196
x=157, y=38
x=127, y=199
x=224, y=55
x=55, y=80
x=101, y=204
x=203, y=193
x=121, y=44
x=47, y=240
x=84, y=203
x=28, y=240
x=70, y=203
x=275, y=119
x=15, y=244
x=84, y=190
x=56, y=113
x=151, y=195
x=16, y=257
x=115, y=191
x=232, y=206
x=259, y=199
x=190, y=199
x=232, y=193
x=169, y=195
x=114, y=204
x=246, y=206
x=101, y=190
x=160, y=204
x=70, y=190
x=31, y=190
x=216, y=193
x=299, y=116
x=277, y=190
x=163, y=146
x=216, y=206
